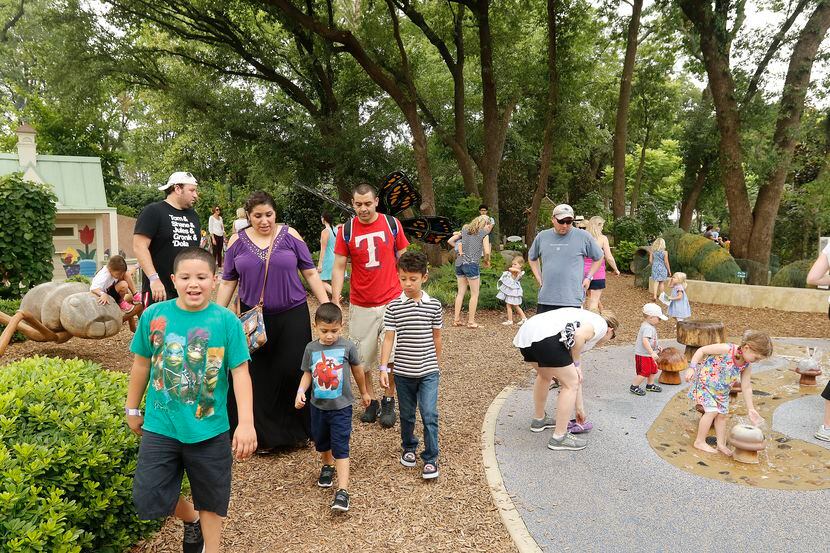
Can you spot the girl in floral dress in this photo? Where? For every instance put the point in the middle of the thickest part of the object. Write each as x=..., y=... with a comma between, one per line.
x=722, y=365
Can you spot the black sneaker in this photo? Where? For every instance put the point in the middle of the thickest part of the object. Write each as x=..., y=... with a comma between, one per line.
x=430, y=471
x=653, y=388
x=371, y=412
x=341, y=501
x=387, y=412
x=408, y=459
x=193, y=542
x=326, y=476
x=636, y=390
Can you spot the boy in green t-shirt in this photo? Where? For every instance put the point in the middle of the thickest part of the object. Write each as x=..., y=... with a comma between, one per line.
x=184, y=349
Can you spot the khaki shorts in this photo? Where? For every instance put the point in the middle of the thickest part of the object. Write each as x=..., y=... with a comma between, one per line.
x=366, y=331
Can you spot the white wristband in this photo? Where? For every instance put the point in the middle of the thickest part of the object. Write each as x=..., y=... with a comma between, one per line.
x=384, y=369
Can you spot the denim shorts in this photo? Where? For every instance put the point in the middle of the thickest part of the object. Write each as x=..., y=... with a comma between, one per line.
x=331, y=430
x=468, y=270
x=161, y=464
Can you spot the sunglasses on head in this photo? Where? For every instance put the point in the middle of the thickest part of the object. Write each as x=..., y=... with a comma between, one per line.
x=565, y=221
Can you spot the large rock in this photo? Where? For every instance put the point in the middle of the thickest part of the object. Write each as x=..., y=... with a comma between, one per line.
x=32, y=302
x=84, y=317
x=50, y=313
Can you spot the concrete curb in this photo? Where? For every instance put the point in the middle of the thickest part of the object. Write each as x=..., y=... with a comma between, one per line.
x=509, y=514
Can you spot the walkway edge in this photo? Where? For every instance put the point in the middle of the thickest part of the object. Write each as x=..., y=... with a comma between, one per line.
x=507, y=510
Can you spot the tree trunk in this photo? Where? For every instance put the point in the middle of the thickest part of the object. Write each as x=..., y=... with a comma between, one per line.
x=638, y=178
x=786, y=127
x=715, y=50
x=623, y=102
x=550, y=125
x=689, y=203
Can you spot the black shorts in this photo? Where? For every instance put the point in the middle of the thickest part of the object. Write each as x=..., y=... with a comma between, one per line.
x=549, y=352
x=161, y=464
x=597, y=284
x=826, y=393
x=113, y=293
x=331, y=430
x=542, y=308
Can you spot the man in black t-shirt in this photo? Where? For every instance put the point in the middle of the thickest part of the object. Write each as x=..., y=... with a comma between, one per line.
x=162, y=230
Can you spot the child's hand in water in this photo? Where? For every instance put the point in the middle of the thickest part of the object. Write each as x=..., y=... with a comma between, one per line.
x=755, y=417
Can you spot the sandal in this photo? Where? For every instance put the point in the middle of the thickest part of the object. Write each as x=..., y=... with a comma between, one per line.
x=473, y=325
x=576, y=428
x=507, y=323
x=457, y=323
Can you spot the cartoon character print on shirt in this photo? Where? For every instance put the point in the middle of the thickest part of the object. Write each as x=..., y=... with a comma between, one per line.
x=208, y=383
x=327, y=374
x=173, y=365
x=157, y=327
x=194, y=363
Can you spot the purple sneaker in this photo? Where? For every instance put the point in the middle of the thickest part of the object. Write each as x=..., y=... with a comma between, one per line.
x=576, y=428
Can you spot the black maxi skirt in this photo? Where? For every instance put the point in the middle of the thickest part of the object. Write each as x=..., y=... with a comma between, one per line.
x=275, y=376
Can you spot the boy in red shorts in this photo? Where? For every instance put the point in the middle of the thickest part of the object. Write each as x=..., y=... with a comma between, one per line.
x=645, y=350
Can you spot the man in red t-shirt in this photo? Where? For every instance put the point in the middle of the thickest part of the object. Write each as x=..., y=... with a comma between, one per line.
x=374, y=243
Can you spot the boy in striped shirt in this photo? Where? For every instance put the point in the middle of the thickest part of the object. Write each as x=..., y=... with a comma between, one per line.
x=413, y=324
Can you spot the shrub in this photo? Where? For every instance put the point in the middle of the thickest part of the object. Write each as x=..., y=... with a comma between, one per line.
x=27, y=221
x=628, y=229
x=66, y=458
x=694, y=254
x=79, y=278
x=793, y=275
x=623, y=254
x=442, y=284
x=10, y=307
x=133, y=198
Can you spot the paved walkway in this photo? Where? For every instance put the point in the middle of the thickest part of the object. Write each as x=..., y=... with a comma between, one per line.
x=618, y=495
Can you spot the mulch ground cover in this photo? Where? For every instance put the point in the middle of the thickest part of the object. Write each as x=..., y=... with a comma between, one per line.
x=276, y=504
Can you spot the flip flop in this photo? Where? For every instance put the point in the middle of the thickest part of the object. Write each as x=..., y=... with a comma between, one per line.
x=576, y=428
x=457, y=323
x=473, y=325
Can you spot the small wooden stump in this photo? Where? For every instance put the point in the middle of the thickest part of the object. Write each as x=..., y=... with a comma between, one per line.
x=671, y=362
x=694, y=333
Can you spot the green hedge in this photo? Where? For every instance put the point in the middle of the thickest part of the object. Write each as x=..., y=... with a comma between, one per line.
x=793, y=275
x=66, y=459
x=10, y=307
x=695, y=255
x=27, y=221
x=442, y=284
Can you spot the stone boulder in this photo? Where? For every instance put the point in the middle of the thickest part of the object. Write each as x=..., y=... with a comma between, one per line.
x=84, y=317
x=50, y=313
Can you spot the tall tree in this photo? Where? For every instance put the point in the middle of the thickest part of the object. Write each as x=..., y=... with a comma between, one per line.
x=621, y=125
x=751, y=229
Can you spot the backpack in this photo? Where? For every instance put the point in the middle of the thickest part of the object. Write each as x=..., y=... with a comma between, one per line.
x=391, y=221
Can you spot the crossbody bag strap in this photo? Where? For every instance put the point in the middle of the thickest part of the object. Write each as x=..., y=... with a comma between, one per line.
x=267, y=262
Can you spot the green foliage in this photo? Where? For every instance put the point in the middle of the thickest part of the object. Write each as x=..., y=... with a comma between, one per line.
x=624, y=254
x=442, y=284
x=628, y=229
x=79, y=278
x=27, y=222
x=131, y=199
x=466, y=209
x=10, y=307
x=793, y=275
x=66, y=459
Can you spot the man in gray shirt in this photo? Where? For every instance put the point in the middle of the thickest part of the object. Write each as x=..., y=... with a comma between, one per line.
x=562, y=251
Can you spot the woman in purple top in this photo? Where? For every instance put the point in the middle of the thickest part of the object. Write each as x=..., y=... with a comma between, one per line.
x=275, y=367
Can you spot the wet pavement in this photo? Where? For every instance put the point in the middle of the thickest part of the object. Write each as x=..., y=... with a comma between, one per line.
x=622, y=494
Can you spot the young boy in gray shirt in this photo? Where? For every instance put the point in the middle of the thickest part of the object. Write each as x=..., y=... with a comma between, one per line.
x=327, y=364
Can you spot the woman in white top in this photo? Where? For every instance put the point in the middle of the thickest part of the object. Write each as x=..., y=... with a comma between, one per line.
x=241, y=220
x=216, y=228
x=552, y=343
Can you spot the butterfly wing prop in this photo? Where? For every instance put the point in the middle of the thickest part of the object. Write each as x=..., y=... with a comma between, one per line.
x=428, y=228
x=341, y=205
x=397, y=194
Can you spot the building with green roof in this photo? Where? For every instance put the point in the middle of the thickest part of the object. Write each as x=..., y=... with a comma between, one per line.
x=83, y=216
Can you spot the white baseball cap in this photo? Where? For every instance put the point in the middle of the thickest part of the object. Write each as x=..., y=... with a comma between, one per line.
x=179, y=177
x=653, y=310
x=563, y=210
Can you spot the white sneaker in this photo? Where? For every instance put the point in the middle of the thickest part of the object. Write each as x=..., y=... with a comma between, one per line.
x=523, y=321
x=507, y=323
x=823, y=433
